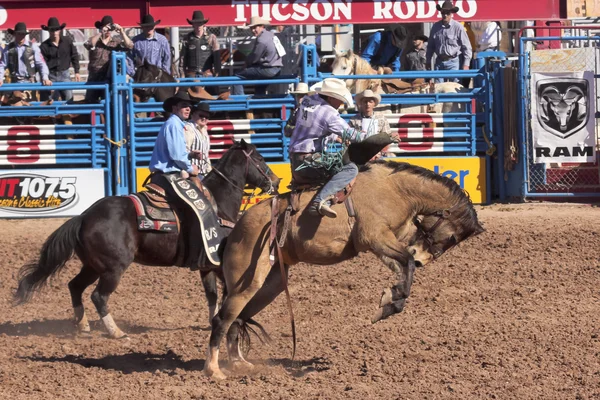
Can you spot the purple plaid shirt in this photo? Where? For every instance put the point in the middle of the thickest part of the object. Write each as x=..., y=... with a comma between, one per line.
x=315, y=121
x=157, y=51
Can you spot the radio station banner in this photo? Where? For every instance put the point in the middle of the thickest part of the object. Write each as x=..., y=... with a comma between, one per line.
x=49, y=192
x=83, y=14
x=563, y=108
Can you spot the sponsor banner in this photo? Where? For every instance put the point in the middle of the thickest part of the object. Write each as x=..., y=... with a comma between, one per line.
x=80, y=14
x=468, y=172
x=49, y=192
x=563, y=108
x=22, y=145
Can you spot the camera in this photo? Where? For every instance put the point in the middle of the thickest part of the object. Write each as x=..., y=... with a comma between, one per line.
x=112, y=27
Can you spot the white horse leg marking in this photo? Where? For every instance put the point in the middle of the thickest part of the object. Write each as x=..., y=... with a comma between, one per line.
x=112, y=328
x=211, y=366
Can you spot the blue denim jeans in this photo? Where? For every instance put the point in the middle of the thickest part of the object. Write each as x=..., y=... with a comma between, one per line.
x=337, y=182
x=256, y=73
x=448, y=65
x=62, y=76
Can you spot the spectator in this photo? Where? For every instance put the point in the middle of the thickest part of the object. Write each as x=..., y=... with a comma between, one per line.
x=318, y=118
x=300, y=91
x=200, y=55
x=367, y=120
x=60, y=53
x=197, y=141
x=23, y=59
x=100, y=47
x=149, y=46
x=385, y=48
x=416, y=60
x=265, y=60
x=449, y=42
x=487, y=35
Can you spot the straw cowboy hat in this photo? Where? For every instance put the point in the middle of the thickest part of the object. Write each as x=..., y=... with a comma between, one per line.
x=179, y=97
x=53, y=25
x=197, y=18
x=107, y=19
x=336, y=88
x=447, y=7
x=368, y=94
x=301, y=88
x=258, y=21
x=20, y=27
x=147, y=21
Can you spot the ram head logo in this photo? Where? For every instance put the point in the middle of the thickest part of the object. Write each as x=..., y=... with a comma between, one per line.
x=563, y=105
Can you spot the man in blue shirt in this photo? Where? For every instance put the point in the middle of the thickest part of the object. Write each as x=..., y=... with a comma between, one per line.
x=385, y=48
x=150, y=46
x=170, y=154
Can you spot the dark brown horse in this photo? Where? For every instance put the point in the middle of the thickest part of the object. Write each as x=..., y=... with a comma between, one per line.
x=148, y=73
x=389, y=200
x=106, y=239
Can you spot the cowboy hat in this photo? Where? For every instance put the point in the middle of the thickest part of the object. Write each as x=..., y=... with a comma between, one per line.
x=20, y=27
x=336, y=88
x=301, y=88
x=399, y=33
x=368, y=94
x=53, y=25
x=179, y=97
x=360, y=153
x=148, y=20
x=258, y=21
x=107, y=19
x=202, y=106
x=421, y=37
x=197, y=18
x=447, y=7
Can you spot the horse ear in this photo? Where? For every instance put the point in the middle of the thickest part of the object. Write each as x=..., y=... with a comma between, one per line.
x=243, y=144
x=350, y=53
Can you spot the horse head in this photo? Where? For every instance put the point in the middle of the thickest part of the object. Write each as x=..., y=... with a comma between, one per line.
x=349, y=63
x=257, y=172
x=148, y=73
x=438, y=232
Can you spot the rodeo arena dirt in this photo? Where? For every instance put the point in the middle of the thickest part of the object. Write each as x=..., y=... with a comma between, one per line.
x=464, y=262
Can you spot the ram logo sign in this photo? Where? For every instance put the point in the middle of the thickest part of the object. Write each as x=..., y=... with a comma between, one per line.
x=563, y=105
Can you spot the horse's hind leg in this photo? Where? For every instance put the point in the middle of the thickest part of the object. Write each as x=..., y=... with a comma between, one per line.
x=106, y=286
x=272, y=287
x=77, y=286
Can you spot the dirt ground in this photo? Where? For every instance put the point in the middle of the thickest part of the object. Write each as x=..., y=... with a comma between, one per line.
x=510, y=314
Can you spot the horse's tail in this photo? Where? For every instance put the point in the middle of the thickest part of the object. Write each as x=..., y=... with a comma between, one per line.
x=56, y=251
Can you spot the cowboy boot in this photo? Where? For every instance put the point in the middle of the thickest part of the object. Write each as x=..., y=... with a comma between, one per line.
x=322, y=208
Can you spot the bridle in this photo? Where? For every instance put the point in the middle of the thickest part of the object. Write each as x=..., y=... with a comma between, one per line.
x=149, y=92
x=427, y=234
x=250, y=161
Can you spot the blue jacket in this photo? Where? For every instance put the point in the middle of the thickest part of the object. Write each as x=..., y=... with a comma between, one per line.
x=386, y=56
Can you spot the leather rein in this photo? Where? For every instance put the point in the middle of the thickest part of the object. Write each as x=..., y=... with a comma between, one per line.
x=249, y=161
x=427, y=234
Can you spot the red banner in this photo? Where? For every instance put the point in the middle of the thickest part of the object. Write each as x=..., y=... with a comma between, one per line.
x=83, y=14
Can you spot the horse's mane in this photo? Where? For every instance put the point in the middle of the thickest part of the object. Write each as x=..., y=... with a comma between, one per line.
x=467, y=219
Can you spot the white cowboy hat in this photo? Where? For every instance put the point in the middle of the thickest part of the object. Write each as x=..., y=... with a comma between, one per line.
x=336, y=88
x=258, y=21
x=301, y=88
x=369, y=94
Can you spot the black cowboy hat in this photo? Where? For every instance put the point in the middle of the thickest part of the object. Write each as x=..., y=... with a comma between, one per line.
x=107, y=19
x=197, y=18
x=53, y=25
x=148, y=20
x=360, y=153
x=447, y=7
x=422, y=37
x=398, y=32
x=20, y=27
x=178, y=98
x=202, y=106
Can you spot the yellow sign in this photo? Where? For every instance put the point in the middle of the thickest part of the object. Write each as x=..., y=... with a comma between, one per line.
x=468, y=172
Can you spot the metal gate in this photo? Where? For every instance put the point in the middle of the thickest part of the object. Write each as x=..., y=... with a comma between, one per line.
x=559, y=179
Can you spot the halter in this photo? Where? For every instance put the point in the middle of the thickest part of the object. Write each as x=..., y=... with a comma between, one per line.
x=249, y=161
x=427, y=234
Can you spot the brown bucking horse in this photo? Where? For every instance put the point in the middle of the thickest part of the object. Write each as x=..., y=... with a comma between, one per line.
x=106, y=239
x=389, y=199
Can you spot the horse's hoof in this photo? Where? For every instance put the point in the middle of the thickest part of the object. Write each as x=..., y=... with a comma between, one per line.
x=241, y=366
x=215, y=375
x=386, y=297
x=388, y=310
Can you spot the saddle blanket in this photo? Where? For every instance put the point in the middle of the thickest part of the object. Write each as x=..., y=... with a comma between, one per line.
x=153, y=214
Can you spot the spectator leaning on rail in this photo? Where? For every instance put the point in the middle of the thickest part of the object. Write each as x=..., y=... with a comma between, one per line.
x=60, y=53
x=367, y=120
x=149, y=46
x=265, y=60
x=385, y=48
x=100, y=47
x=487, y=35
x=318, y=119
x=23, y=59
x=448, y=40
